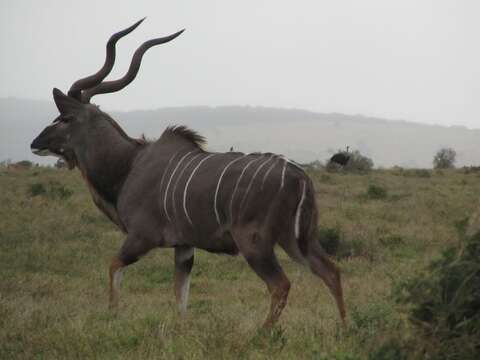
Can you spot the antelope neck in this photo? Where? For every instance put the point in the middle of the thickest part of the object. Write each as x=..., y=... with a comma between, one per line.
x=106, y=160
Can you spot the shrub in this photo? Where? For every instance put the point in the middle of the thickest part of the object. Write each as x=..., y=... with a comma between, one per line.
x=25, y=164
x=356, y=162
x=330, y=240
x=376, y=192
x=36, y=189
x=444, y=158
x=53, y=190
x=359, y=162
x=444, y=304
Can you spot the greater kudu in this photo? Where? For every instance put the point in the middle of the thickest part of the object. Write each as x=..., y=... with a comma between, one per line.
x=173, y=193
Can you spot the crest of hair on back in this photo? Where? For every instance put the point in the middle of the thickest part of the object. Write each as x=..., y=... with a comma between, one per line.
x=187, y=134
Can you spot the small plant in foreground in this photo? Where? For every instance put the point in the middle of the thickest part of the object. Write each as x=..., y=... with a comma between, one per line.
x=376, y=192
x=329, y=239
x=36, y=189
x=444, y=304
x=53, y=190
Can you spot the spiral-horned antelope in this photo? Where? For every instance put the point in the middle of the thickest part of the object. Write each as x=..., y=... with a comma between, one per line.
x=172, y=193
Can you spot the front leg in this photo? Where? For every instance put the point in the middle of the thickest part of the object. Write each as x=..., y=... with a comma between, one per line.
x=132, y=249
x=181, y=277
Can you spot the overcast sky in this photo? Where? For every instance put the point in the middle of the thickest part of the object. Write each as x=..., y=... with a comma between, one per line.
x=415, y=60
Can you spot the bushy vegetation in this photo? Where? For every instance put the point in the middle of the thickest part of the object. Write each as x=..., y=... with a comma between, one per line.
x=444, y=305
x=445, y=158
x=357, y=162
x=52, y=190
x=376, y=192
x=55, y=250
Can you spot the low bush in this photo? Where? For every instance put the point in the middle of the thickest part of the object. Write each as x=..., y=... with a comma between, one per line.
x=356, y=162
x=36, y=189
x=444, y=304
x=53, y=190
x=330, y=240
x=376, y=192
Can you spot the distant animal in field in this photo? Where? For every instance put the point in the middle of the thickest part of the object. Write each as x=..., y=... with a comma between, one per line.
x=341, y=158
x=172, y=193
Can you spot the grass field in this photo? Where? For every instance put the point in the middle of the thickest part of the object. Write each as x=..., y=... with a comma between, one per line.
x=55, y=248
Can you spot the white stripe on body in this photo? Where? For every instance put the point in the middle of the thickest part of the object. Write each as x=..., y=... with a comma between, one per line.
x=168, y=184
x=268, y=172
x=253, y=178
x=167, y=168
x=238, y=182
x=218, y=185
x=178, y=179
x=299, y=210
x=188, y=183
x=295, y=164
x=283, y=172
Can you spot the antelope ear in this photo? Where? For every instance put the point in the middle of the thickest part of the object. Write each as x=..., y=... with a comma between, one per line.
x=66, y=104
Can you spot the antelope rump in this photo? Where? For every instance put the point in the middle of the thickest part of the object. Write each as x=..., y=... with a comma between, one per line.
x=173, y=193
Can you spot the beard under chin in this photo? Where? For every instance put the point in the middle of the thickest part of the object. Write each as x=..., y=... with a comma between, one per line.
x=70, y=159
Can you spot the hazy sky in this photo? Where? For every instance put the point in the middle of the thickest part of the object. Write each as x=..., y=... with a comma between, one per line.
x=416, y=60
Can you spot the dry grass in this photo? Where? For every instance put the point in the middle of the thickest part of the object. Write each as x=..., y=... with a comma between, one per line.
x=55, y=248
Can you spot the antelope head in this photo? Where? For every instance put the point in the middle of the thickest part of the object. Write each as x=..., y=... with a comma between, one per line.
x=69, y=133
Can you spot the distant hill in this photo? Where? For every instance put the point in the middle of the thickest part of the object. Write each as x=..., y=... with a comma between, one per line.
x=301, y=135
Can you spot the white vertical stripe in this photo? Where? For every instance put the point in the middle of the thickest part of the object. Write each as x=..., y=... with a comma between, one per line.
x=299, y=210
x=218, y=185
x=253, y=178
x=268, y=172
x=169, y=181
x=237, y=183
x=283, y=173
x=188, y=183
x=295, y=164
x=178, y=179
x=167, y=168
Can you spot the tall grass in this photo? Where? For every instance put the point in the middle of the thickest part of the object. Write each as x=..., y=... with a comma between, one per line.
x=55, y=248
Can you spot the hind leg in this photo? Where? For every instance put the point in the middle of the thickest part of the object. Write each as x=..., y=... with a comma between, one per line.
x=181, y=277
x=263, y=261
x=324, y=268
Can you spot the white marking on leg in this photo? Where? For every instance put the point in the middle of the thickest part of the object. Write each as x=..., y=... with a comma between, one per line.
x=168, y=184
x=218, y=185
x=268, y=172
x=188, y=183
x=253, y=178
x=238, y=182
x=117, y=278
x=299, y=210
x=177, y=181
x=184, y=292
x=283, y=172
